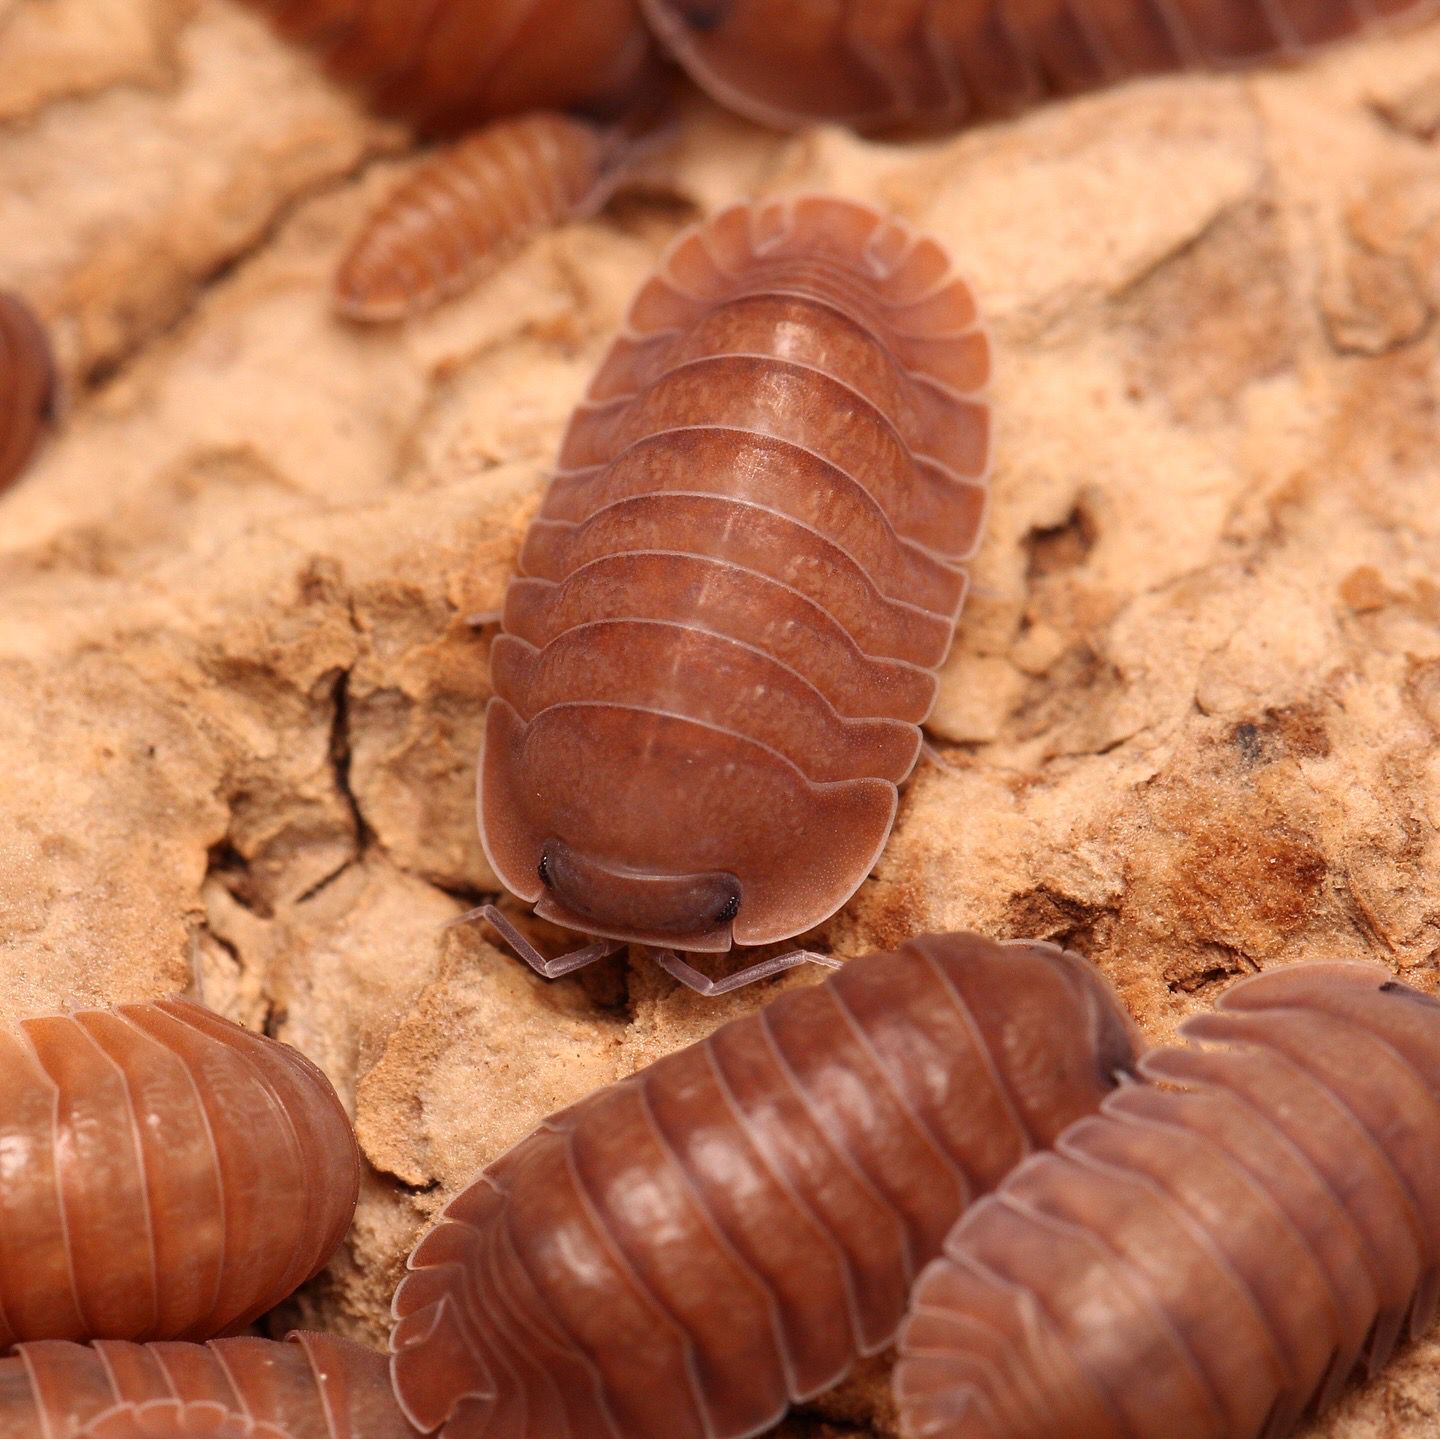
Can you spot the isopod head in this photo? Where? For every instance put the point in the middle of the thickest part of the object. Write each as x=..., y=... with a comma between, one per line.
x=623, y=852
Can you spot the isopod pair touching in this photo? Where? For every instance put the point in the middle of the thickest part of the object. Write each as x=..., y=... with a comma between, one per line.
x=1246, y=1220
x=904, y=64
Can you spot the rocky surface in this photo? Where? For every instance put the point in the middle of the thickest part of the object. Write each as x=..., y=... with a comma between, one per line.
x=1189, y=728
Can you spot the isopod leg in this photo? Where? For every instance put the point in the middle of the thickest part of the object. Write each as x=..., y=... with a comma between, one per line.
x=929, y=752
x=691, y=977
x=547, y=968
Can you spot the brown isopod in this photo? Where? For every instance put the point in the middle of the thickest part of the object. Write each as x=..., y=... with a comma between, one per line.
x=683, y=1253
x=465, y=210
x=314, y=1386
x=163, y=1174
x=448, y=64
x=723, y=636
x=1217, y=1251
x=944, y=63
x=28, y=386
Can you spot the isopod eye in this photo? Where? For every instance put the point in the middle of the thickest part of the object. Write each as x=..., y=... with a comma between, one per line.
x=732, y=908
x=1394, y=986
x=703, y=15
x=543, y=870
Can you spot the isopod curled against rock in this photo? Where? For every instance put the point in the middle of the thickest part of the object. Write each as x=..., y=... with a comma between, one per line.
x=681, y=1254
x=730, y=610
x=27, y=386
x=1216, y=1251
x=163, y=1174
x=314, y=1386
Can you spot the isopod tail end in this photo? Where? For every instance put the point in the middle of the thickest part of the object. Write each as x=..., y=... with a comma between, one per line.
x=436, y=1374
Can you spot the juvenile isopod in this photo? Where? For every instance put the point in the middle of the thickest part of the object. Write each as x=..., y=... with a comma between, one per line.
x=164, y=1174
x=944, y=63
x=466, y=209
x=445, y=65
x=314, y=1386
x=1219, y=1249
x=27, y=386
x=681, y=1254
x=725, y=628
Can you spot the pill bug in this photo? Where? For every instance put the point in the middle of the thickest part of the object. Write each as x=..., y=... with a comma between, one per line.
x=682, y=1253
x=467, y=208
x=27, y=386
x=445, y=65
x=312, y=1386
x=943, y=63
x=723, y=634
x=1218, y=1250
x=163, y=1174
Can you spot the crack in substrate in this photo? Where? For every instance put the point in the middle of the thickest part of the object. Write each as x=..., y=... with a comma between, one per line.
x=338, y=754
x=340, y=757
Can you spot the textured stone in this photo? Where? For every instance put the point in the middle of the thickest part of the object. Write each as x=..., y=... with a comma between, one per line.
x=1190, y=726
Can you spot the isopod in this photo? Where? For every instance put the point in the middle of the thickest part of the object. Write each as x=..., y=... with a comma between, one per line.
x=445, y=65
x=27, y=386
x=164, y=1174
x=943, y=63
x=468, y=208
x=314, y=1386
x=723, y=635
x=682, y=1253
x=1217, y=1251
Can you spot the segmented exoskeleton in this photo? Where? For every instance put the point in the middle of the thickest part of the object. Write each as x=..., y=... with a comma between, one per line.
x=682, y=1254
x=1215, y=1252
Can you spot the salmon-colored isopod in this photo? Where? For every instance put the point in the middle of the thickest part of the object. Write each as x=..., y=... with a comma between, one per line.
x=944, y=63
x=468, y=208
x=724, y=634
x=314, y=1386
x=1217, y=1251
x=164, y=1174
x=682, y=1254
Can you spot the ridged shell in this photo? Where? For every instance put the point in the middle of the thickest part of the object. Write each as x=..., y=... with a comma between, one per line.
x=27, y=386
x=1216, y=1252
x=466, y=209
x=681, y=1254
x=448, y=64
x=314, y=1386
x=163, y=1174
x=943, y=63
x=724, y=633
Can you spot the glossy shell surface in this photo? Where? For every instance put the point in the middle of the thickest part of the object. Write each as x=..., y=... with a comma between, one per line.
x=1219, y=1249
x=166, y=1174
x=682, y=1254
x=728, y=616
